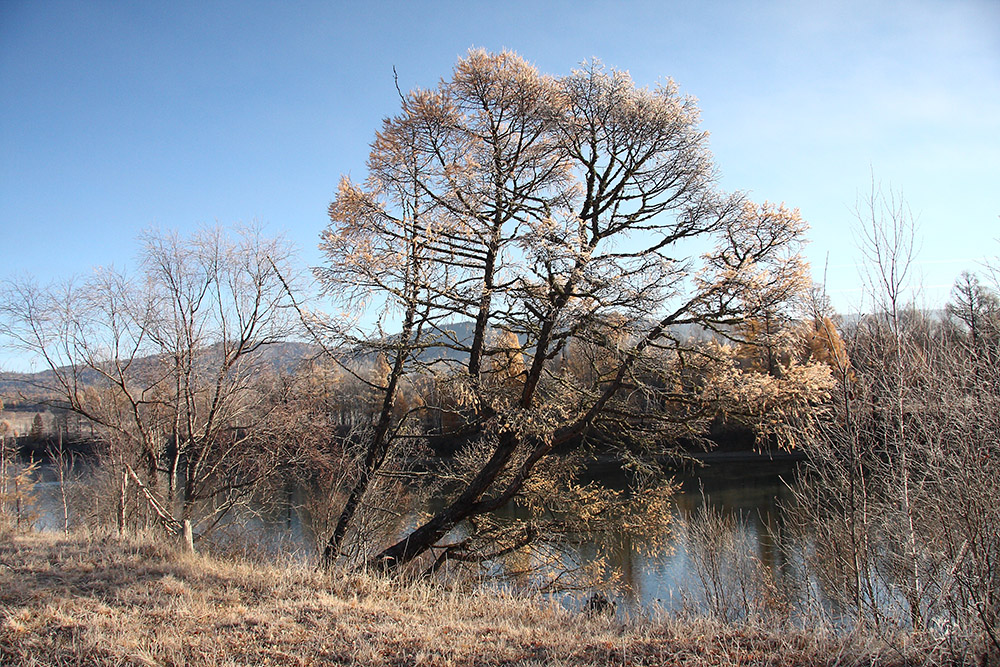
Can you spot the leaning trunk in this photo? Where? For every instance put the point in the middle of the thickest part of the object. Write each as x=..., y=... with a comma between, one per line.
x=423, y=538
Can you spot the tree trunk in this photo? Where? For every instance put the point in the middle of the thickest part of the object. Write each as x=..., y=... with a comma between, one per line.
x=122, y=491
x=373, y=461
x=424, y=537
x=188, y=535
x=379, y=446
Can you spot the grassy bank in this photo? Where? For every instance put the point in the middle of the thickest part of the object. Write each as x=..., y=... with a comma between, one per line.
x=92, y=600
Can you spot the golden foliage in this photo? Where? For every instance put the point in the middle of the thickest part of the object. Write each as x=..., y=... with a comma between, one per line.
x=782, y=405
x=553, y=214
x=826, y=346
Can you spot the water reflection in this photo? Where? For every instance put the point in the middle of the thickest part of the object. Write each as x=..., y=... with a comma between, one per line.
x=751, y=494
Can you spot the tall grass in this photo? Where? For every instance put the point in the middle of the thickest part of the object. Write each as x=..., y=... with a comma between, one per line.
x=101, y=599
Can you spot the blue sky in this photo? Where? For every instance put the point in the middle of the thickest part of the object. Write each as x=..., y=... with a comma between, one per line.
x=118, y=116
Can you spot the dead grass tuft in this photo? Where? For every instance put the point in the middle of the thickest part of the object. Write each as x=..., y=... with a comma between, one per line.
x=99, y=600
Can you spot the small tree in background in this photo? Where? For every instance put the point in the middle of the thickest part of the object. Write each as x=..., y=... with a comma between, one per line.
x=37, y=428
x=166, y=364
x=975, y=310
x=8, y=438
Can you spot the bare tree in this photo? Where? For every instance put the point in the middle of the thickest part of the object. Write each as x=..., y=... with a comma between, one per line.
x=544, y=211
x=165, y=363
x=902, y=484
x=977, y=310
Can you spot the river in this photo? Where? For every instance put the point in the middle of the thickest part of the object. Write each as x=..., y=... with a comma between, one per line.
x=747, y=496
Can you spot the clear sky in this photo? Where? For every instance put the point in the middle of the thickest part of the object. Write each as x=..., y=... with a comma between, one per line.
x=118, y=116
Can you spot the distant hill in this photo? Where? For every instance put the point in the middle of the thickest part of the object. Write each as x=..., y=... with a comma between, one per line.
x=29, y=390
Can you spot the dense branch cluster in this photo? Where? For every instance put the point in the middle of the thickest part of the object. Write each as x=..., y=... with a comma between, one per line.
x=529, y=224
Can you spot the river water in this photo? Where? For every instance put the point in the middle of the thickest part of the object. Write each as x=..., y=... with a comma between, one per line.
x=749, y=500
x=750, y=495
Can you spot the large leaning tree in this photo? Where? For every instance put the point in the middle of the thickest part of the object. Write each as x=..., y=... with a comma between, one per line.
x=538, y=244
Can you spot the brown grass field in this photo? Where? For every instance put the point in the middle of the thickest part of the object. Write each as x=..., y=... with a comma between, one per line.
x=101, y=600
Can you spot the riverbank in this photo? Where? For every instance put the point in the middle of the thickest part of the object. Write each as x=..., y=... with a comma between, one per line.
x=101, y=600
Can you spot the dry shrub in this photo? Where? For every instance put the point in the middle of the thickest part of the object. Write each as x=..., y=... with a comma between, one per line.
x=735, y=585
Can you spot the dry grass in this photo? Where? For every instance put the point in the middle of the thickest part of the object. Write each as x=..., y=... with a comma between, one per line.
x=93, y=600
